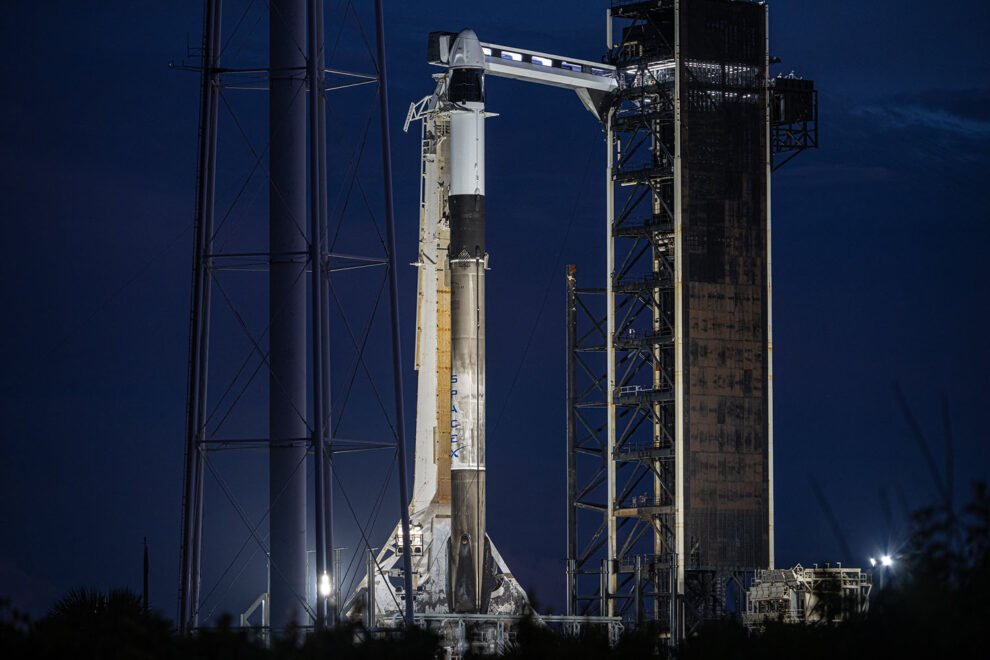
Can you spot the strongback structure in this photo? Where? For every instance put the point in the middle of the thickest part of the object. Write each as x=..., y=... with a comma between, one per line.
x=298, y=262
x=669, y=366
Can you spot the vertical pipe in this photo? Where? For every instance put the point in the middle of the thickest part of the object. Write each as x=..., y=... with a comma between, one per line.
x=570, y=325
x=768, y=168
x=192, y=397
x=205, y=320
x=336, y=583
x=608, y=30
x=332, y=609
x=324, y=283
x=315, y=57
x=675, y=604
x=288, y=251
x=604, y=577
x=199, y=477
x=371, y=565
x=199, y=321
x=679, y=403
x=610, y=487
x=400, y=431
x=607, y=604
x=638, y=590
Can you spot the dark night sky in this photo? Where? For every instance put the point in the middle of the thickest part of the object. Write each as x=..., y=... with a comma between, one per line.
x=878, y=253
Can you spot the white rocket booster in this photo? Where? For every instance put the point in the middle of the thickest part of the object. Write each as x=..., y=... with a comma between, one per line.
x=470, y=563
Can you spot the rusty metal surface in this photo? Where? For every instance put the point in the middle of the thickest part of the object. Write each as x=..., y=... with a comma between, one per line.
x=725, y=309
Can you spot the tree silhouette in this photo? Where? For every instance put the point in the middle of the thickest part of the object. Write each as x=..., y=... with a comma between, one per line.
x=89, y=624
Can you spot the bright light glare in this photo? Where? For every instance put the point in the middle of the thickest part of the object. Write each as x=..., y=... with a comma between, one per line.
x=325, y=585
x=873, y=562
x=886, y=560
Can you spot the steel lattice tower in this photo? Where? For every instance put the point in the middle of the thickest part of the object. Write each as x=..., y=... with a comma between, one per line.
x=298, y=260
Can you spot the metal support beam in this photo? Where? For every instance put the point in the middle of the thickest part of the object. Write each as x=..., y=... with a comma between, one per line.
x=679, y=412
x=570, y=326
x=324, y=284
x=635, y=387
x=611, y=547
x=371, y=568
x=638, y=590
x=400, y=432
x=318, y=218
x=768, y=158
x=198, y=369
x=586, y=453
x=604, y=589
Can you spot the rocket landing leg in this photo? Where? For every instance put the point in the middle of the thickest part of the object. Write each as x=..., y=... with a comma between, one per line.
x=431, y=578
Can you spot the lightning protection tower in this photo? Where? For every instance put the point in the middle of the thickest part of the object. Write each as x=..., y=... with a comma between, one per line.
x=300, y=264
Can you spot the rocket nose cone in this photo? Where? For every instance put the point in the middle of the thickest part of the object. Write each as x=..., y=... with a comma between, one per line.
x=466, y=51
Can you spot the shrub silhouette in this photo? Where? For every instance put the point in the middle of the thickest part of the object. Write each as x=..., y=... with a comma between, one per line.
x=935, y=606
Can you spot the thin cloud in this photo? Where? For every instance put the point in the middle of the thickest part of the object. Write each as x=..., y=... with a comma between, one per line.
x=912, y=116
x=960, y=114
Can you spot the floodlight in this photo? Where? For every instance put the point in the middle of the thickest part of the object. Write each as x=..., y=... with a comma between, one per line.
x=325, y=585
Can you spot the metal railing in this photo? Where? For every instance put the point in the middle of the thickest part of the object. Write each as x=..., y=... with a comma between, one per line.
x=644, y=502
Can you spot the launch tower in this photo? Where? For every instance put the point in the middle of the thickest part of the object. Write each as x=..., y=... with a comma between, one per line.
x=670, y=377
